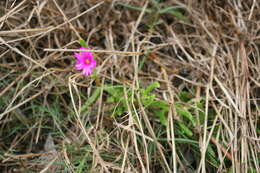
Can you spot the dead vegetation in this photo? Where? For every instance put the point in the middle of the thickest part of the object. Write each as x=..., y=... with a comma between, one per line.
x=204, y=55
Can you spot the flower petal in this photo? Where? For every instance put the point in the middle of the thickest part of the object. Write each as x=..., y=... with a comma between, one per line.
x=77, y=55
x=79, y=66
x=87, y=54
x=83, y=48
x=87, y=71
x=93, y=63
x=85, y=61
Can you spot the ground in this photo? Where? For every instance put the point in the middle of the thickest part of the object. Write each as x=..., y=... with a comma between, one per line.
x=176, y=87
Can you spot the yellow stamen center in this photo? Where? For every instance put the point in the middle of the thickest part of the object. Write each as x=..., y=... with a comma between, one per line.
x=87, y=61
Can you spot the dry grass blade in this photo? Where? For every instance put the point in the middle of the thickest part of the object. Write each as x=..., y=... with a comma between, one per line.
x=176, y=87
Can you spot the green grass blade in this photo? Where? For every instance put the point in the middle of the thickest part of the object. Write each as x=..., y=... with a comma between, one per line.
x=169, y=9
x=134, y=7
x=91, y=100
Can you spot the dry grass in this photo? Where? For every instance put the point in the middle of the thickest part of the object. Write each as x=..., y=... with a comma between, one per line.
x=212, y=54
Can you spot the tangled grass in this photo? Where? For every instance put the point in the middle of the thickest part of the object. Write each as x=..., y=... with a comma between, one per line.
x=176, y=89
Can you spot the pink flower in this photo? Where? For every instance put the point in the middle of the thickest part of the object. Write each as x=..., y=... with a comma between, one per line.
x=85, y=61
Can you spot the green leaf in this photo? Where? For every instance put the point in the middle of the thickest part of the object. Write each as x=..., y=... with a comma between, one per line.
x=185, y=129
x=151, y=87
x=111, y=99
x=160, y=104
x=211, y=156
x=148, y=100
x=186, y=114
x=83, y=43
x=116, y=92
x=119, y=110
x=162, y=117
x=184, y=96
